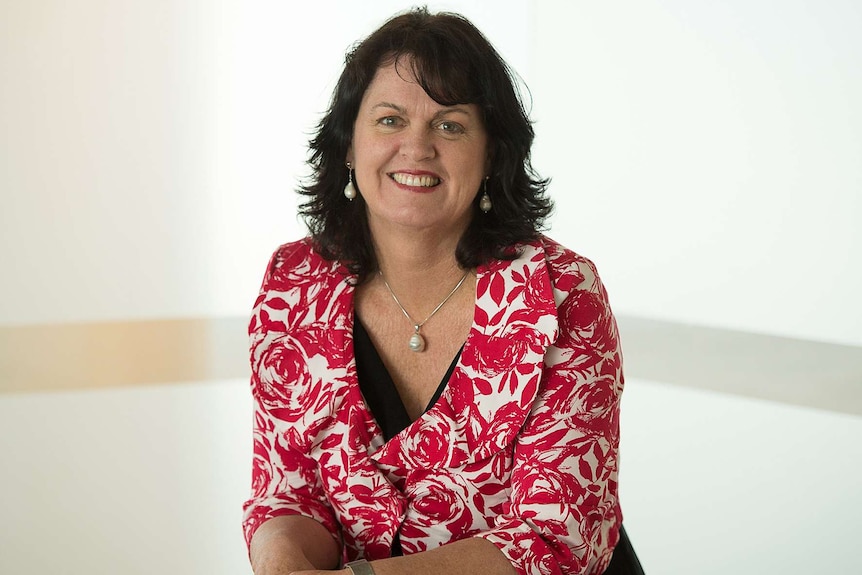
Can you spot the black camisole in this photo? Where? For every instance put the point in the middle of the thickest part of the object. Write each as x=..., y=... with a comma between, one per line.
x=381, y=395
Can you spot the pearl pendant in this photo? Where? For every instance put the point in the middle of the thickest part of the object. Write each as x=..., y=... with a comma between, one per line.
x=350, y=191
x=485, y=203
x=417, y=342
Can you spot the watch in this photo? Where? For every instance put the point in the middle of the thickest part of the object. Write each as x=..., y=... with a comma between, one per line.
x=360, y=567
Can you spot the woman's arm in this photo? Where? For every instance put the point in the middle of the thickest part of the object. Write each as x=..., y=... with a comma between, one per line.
x=292, y=543
x=288, y=523
x=563, y=514
x=469, y=556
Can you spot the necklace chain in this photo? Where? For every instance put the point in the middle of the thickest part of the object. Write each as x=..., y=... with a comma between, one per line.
x=417, y=343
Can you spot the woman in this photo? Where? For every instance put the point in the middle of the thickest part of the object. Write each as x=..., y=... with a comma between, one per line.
x=436, y=383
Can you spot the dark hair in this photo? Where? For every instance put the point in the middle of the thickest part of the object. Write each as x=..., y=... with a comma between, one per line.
x=455, y=64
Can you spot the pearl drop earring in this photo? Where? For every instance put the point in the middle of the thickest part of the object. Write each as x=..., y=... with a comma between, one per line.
x=485, y=201
x=349, y=189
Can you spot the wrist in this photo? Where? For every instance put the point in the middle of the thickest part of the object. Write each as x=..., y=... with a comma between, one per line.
x=284, y=558
x=360, y=567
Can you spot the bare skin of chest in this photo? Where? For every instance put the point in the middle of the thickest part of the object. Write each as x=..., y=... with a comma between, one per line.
x=416, y=374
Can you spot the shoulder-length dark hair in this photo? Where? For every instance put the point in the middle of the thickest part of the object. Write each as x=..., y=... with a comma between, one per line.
x=455, y=64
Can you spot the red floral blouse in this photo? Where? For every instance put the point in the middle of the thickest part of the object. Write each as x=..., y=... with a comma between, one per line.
x=521, y=448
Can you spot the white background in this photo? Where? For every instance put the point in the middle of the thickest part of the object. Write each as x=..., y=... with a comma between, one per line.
x=708, y=157
x=151, y=480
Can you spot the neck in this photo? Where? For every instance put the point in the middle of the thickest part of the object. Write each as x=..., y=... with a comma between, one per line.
x=418, y=266
x=416, y=253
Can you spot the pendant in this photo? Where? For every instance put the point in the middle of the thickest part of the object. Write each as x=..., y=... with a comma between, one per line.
x=417, y=342
x=350, y=191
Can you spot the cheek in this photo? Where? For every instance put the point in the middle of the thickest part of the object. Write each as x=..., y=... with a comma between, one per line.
x=370, y=153
x=472, y=172
x=473, y=164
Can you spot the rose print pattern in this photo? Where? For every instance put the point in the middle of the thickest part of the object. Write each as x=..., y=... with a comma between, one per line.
x=520, y=449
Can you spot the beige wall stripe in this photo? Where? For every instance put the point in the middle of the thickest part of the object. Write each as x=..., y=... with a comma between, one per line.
x=798, y=372
x=111, y=354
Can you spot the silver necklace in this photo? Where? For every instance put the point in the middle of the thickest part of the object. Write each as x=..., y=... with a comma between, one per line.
x=417, y=342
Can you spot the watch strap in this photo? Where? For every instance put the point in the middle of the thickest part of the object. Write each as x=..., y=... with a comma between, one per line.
x=360, y=567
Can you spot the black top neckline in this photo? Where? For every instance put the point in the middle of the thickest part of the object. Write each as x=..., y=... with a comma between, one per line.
x=379, y=390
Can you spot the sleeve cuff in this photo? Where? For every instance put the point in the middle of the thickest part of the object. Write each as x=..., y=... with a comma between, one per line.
x=256, y=513
x=528, y=553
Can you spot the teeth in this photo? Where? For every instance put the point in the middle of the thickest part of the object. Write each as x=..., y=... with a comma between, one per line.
x=415, y=181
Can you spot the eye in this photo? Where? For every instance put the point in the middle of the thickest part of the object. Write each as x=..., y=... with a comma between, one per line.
x=450, y=127
x=390, y=121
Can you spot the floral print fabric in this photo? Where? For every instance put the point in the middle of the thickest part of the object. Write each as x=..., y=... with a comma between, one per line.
x=520, y=449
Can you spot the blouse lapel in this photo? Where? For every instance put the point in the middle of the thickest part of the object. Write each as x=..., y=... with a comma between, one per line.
x=498, y=376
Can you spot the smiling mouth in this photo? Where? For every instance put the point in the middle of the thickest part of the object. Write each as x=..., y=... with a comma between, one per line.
x=415, y=181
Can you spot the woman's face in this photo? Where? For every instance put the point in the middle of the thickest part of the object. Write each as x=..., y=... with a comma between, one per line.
x=419, y=165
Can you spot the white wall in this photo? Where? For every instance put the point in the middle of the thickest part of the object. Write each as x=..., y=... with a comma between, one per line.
x=150, y=150
x=708, y=155
x=149, y=480
x=106, y=159
x=714, y=484
x=130, y=481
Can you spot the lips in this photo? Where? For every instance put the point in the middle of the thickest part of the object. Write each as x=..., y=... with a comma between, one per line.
x=415, y=180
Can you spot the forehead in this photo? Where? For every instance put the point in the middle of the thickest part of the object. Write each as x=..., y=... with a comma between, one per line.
x=395, y=85
x=394, y=79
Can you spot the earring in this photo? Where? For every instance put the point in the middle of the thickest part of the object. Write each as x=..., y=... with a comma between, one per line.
x=485, y=201
x=349, y=189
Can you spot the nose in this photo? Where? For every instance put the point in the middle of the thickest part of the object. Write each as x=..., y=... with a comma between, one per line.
x=418, y=144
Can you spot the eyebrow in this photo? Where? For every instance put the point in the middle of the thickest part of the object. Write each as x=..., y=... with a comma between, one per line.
x=395, y=107
x=442, y=112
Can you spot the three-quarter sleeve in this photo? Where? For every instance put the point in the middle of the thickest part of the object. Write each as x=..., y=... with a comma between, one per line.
x=563, y=516
x=285, y=478
x=285, y=481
